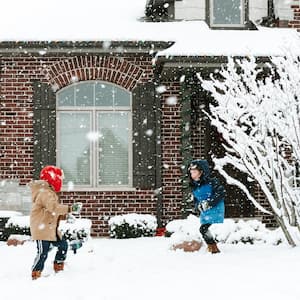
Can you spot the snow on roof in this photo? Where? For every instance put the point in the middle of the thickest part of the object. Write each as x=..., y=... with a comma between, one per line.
x=67, y=20
x=119, y=20
x=261, y=42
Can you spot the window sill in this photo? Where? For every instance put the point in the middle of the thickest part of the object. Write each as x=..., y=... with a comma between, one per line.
x=103, y=189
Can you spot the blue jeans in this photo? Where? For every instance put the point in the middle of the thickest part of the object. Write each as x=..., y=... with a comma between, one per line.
x=43, y=248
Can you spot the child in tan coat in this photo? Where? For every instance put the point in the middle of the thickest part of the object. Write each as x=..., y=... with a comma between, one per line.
x=44, y=219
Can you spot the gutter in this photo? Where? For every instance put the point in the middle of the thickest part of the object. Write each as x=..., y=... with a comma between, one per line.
x=84, y=47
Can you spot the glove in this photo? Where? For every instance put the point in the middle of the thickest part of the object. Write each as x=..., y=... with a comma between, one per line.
x=75, y=244
x=76, y=208
x=203, y=206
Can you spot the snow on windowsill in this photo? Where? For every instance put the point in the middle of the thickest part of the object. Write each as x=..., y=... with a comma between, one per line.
x=103, y=189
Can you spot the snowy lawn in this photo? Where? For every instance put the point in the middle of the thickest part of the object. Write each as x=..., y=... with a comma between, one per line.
x=145, y=268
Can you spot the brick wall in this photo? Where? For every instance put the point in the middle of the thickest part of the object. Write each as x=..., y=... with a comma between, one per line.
x=171, y=156
x=16, y=138
x=296, y=9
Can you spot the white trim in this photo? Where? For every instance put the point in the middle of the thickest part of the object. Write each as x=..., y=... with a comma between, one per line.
x=211, y=17
x=112, y=188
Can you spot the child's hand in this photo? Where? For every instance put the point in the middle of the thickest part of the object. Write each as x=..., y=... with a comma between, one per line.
x=203, y=206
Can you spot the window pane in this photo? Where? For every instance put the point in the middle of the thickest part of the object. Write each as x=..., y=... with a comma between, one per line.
x=84, y=94
x=113, y=148
x=109, y=95
x=103, y=94
x=75, y=147
x=227, y=11
x=66, y=97
x=121, y=97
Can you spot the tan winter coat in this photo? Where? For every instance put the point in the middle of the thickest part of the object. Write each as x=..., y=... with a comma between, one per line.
x=45, y=212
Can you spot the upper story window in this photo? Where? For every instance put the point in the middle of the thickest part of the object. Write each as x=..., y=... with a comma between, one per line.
x=227, y=13
x=94, y=135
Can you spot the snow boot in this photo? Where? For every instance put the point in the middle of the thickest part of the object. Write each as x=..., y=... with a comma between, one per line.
x=58, y=267
x=213, y=248
x=36, y=274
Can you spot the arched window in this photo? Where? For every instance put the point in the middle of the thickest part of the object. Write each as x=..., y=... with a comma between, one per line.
x=94, y=135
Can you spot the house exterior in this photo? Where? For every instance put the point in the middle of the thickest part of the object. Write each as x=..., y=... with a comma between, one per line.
x=113, y=113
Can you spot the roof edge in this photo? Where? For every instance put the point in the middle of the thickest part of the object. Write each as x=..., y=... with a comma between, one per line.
x=82, y=47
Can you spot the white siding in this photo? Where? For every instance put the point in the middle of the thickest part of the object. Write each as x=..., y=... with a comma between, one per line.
x=283, y=9
x=258, y=9
x=190, y=10
x=195, y=9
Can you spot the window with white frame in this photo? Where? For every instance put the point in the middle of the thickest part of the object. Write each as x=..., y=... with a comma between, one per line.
x=94, y=135
x=227, y=13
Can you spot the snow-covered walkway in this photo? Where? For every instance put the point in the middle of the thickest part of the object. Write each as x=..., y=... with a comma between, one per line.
x=145, y=269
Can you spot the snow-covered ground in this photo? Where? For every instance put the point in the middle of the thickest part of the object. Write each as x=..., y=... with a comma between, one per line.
x=145, y=268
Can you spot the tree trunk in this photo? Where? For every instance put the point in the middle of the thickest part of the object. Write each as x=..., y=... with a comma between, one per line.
x=285, y=231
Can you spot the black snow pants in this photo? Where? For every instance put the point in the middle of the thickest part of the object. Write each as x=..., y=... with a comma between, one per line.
x=206, y=234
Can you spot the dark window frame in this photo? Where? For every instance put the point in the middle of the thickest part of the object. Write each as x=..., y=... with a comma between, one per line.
x=225, y=26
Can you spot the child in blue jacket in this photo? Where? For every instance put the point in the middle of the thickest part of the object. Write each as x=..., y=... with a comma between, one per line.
x=209, y=197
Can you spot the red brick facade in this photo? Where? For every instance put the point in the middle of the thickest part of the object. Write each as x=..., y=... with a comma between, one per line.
x=16, y=139
x=296, y=9
x=171, y=153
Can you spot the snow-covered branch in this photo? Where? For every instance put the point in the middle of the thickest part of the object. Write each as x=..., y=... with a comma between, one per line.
x=257, y=111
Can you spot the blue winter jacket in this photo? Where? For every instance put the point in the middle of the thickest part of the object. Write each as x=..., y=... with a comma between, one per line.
x=209, y=189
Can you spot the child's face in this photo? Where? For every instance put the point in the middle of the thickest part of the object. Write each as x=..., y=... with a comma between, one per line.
x=196, y=174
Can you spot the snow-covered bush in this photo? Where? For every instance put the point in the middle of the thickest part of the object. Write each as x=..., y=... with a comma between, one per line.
x=230, y=232
x=17, y=225
x=4, y=217
x=185, y=230
x=79, y=229
x=132, y=226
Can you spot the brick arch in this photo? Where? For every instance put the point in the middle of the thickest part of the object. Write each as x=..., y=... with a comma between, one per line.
x=81, y=68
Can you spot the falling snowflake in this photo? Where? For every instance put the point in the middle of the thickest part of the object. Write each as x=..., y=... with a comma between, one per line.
x=106, y=44
x=92, y=135
x=41, y=226
x=74, y=79
x=161, y=89
x=42, y=52
x=70, y=186
x=149, y=132
x=171, y=100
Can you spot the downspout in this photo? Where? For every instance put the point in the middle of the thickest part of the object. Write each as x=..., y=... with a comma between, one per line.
x=271, y=9
x=158, y=160
x=186, y=87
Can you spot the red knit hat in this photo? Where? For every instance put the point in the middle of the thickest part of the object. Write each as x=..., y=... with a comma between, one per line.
x=54, y=176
